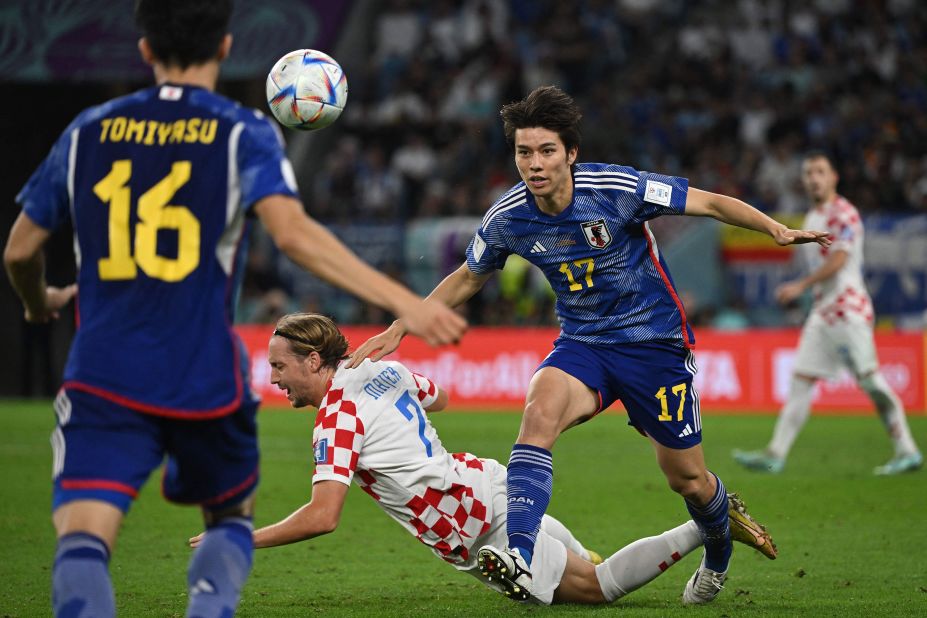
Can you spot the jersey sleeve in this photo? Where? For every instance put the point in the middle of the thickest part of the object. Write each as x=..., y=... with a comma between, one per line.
x=44, y=197
x=424, y=390
x=660, y=195
x=263, y=166
x=844, y=229
x=487, y=251
x=337, y=440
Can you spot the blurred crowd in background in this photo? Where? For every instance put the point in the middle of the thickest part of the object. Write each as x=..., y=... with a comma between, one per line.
x=729, y=93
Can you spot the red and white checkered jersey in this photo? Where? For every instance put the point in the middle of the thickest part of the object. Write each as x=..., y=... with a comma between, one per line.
x=843, y=296
x=371, y=426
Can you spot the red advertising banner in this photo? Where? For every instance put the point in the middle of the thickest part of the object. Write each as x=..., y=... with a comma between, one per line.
x=742, y=372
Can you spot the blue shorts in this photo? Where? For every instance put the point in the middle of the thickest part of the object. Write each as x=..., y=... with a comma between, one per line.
x=105, y=451
x=652, y=379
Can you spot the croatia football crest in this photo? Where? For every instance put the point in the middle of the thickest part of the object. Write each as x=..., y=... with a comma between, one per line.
x=596, y=234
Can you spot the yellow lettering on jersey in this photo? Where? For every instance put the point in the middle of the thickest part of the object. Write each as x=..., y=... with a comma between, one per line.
x=118, y=129
x=164, y=130
x=193, y=125
x=177, y=131
x=104, y=126
x=149, y=136
x=135, y=131
x=208, y=131
x=155, y=133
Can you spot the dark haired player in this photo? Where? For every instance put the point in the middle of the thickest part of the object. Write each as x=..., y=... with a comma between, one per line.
x=161, y=187
x=624, y=334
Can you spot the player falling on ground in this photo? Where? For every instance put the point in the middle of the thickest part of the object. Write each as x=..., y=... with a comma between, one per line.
x=624, y=334
x=159, y=187
x=838, y=331
x=371, y=427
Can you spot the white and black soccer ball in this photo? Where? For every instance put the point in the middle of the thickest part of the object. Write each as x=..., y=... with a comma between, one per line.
x=306, y=90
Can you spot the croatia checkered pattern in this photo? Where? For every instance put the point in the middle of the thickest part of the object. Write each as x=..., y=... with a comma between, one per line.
x=842, y=297
x=371, y=427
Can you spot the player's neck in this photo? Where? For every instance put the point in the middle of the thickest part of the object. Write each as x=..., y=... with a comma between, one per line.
x=202, y=75
x=827, y=199
x=555, y=203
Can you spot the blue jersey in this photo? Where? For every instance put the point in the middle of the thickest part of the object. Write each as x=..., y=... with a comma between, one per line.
x=611, y=282
x=157, y=186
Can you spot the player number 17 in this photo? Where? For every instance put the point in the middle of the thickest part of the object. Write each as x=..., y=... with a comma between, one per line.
x=575, y=285
x=680, y=390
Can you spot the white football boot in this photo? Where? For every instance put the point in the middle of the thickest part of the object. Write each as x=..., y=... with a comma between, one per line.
x=505, y=568
x=703, y=586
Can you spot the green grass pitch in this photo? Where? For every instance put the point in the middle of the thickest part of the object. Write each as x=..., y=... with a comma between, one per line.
x=850, y=544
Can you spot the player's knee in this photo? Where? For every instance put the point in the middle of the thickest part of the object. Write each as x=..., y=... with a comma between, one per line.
x=689, y=484
x=540, y=422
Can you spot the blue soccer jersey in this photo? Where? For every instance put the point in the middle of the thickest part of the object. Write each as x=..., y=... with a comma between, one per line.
x=158, y=186
x=611, y=282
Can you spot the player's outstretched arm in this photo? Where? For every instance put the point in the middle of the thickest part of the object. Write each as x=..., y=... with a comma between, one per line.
x=790, y=290
x=320, y=516
x=733, y=211
x=25, y=265
x=312, y=246
x=456, y=289
x=440, y=402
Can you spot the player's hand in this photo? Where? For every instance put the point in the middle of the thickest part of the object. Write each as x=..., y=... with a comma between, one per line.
x=789, y=291
x=55, y=300
x=784, y=237
x=434, y=322
x=196, y=540
x=380, y=345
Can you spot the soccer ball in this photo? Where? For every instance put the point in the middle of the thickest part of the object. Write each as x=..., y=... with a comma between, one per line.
x=306, y=90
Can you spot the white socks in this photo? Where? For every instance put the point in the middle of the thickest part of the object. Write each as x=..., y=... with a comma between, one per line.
x=891, y=411
x=643, y=560
x=792, y=417
x=554, y=528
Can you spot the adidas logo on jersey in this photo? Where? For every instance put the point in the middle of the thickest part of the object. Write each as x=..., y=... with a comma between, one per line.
x=687, y=431
x=538, y=248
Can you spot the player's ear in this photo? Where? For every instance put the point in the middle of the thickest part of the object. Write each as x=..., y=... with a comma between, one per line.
x=144, y=48
x=225, y=47
x=571, y=155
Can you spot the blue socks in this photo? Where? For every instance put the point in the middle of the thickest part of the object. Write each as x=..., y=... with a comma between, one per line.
x=530, y=483
x=712, y=521
x=80, y=577
x=219, y=569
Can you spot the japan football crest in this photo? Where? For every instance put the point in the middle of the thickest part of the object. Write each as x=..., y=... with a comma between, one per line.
x=597, y=234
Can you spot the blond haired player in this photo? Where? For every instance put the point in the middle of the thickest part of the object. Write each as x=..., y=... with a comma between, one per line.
x=838, y=332
x=372, y=428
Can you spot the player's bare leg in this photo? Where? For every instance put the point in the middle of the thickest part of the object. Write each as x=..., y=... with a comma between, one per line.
x=907, y=456
x=706, y=501
x=555, y=402
x=87, y=531
x=789, y=424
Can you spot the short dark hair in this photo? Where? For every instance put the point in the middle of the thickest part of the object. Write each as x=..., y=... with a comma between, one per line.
x=183, y=32
x=820, y=154
x=547, y=107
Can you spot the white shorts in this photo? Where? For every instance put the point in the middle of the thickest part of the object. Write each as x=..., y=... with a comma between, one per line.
x=550, y=555
x=825, y=348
